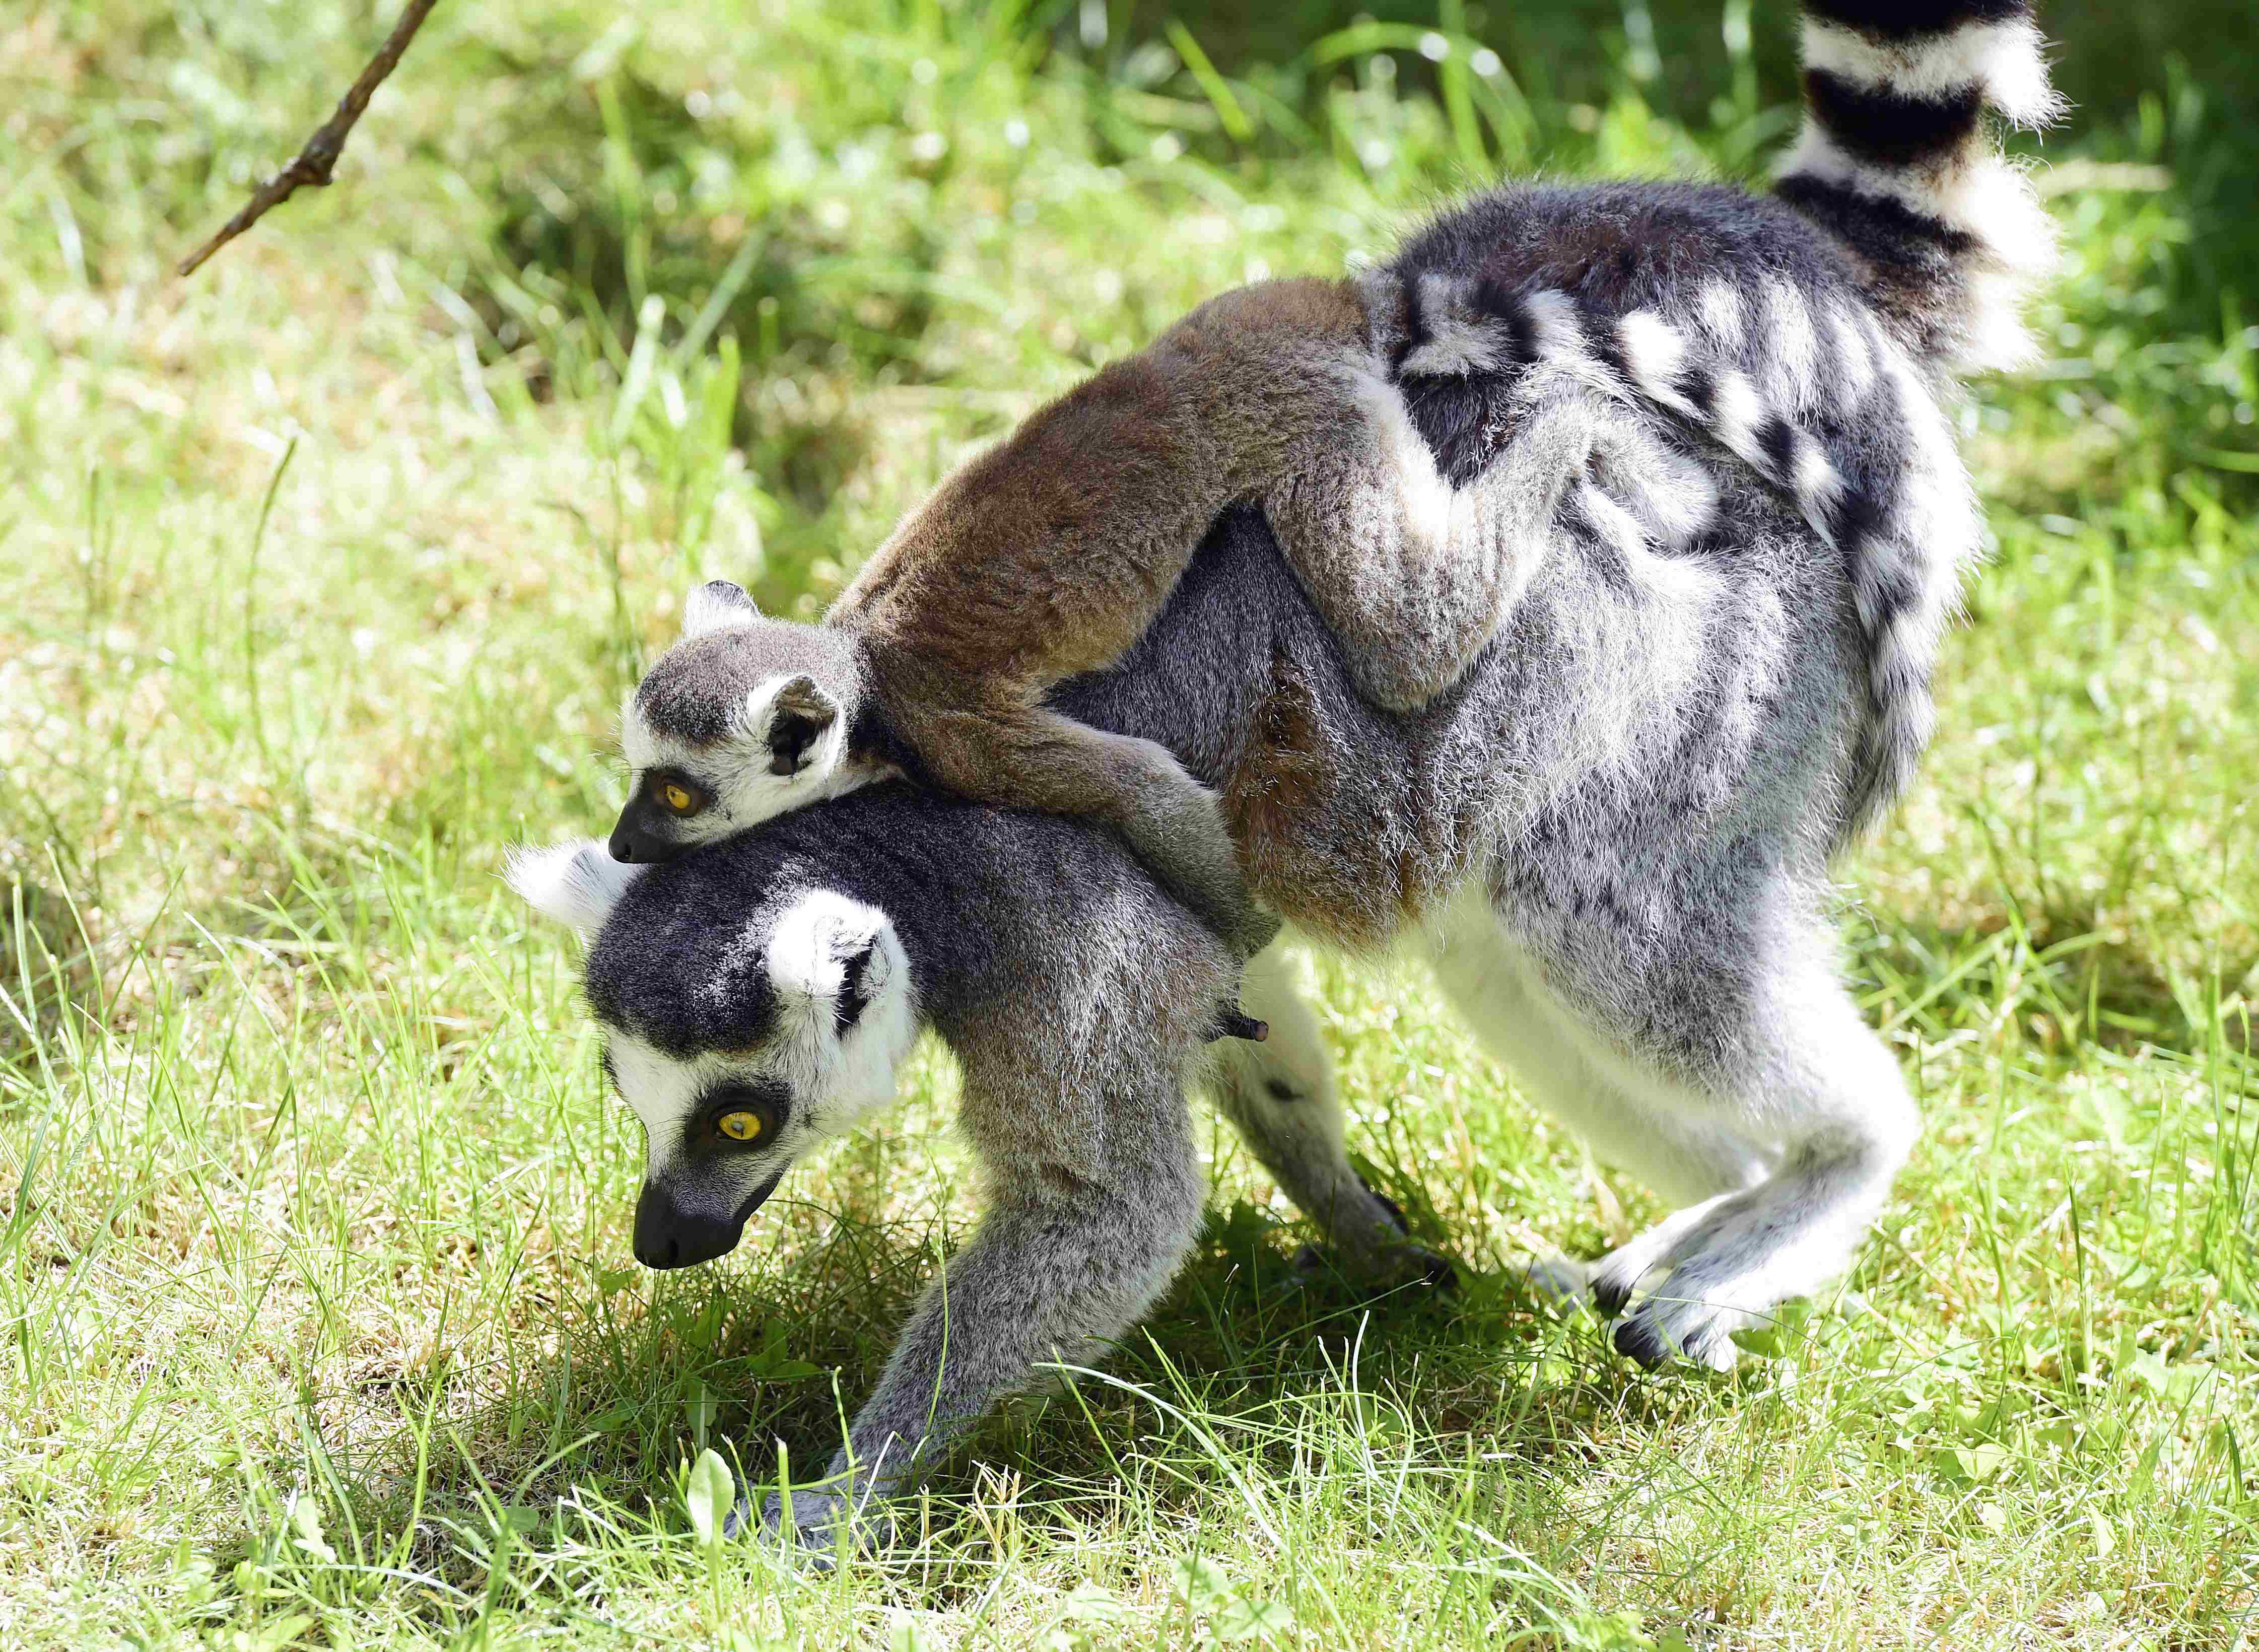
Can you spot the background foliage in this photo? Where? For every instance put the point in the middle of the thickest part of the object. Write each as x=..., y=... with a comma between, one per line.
x=325, y=572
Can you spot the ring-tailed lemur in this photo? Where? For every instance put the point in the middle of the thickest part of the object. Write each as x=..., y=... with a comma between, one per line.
x=1528, y=338
x=757, y=996
x=1612, y=831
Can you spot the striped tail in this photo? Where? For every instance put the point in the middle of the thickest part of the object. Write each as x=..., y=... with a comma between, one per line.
x=1896, y=161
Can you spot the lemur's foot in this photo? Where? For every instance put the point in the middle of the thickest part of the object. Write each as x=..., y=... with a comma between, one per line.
x=1254, y=930
x=1433, y=1268
x=822, y=1516
x=1406, y=1262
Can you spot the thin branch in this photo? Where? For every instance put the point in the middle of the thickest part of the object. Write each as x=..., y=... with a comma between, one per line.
x=311, y=168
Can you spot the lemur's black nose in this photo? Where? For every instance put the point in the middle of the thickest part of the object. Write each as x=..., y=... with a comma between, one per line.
x=624, y=848
x=667, y=1236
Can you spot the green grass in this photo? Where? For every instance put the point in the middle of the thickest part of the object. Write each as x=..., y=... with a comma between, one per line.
x=323, y=573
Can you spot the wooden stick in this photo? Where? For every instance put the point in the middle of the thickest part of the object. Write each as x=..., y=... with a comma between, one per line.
x=311, y=168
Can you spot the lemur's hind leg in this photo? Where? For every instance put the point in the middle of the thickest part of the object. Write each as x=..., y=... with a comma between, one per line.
x=1281, y=1096
x=1774, y=1114
x=1846, y=1123
x=1675, y=1148
x=1412, y=576
x=1018, y=755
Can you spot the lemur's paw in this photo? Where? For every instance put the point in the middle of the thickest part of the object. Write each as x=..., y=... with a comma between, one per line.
x=1390, y=1268
x=1231, y=1022
x=1437, y=1271
x=822, y=1517
x=1663, y=1326
x=1411, y=1260
x=1617, y=1275
x=1611, y=1287
x=1395, y=1210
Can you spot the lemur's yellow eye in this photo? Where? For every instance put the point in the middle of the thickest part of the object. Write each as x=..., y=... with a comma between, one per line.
x=677, y=799
x=739, y=1127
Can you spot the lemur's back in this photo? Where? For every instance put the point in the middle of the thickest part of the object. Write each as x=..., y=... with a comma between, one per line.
x=1628, y=508
x=1651, y=702
x=1718, y=668
x=1634, y=705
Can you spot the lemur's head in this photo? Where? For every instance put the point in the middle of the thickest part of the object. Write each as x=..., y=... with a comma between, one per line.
x=743, y=718
x=747, y=1019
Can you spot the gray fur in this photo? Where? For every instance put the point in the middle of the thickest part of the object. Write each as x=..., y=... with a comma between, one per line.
x=1075, y=998
x=1611, y=836
x=1774, y=355
x=1594, y=761
x=1527, y=370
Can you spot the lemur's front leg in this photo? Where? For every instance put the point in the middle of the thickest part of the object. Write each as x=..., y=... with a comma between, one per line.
x=1067, y=1258
x=1281, y=1095
x=1003, y=750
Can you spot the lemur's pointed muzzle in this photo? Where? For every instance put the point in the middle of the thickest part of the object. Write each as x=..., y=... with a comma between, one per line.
x=670, y=1235
x=635, y=844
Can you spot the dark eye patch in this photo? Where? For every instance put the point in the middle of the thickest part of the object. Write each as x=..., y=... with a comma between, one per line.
x=661, y=787
x=702, y=1135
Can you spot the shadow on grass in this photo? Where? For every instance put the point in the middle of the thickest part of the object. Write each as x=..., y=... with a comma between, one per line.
x=2063, y=965
x=644, y=1372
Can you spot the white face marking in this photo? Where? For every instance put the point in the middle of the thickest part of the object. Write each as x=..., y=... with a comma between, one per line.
x=735, y=770
x=833, y=1079
x=663, y=1091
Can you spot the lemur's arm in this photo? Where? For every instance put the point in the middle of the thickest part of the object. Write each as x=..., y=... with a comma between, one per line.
x=1412, y=576
x=1067, y=1258
x=1050, y=554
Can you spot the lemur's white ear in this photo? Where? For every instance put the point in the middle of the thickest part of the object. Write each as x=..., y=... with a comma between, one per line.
x=830, y=957
x=799, y=721
x=577, y=883
x=715, y=606
x=1460, y=330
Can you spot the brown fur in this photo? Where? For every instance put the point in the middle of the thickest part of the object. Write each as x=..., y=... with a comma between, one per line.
x=1050, y=554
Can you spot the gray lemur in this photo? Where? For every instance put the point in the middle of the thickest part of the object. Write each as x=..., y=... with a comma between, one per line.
x=1556, y=330
x=756, y=997
x=1611, y=833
